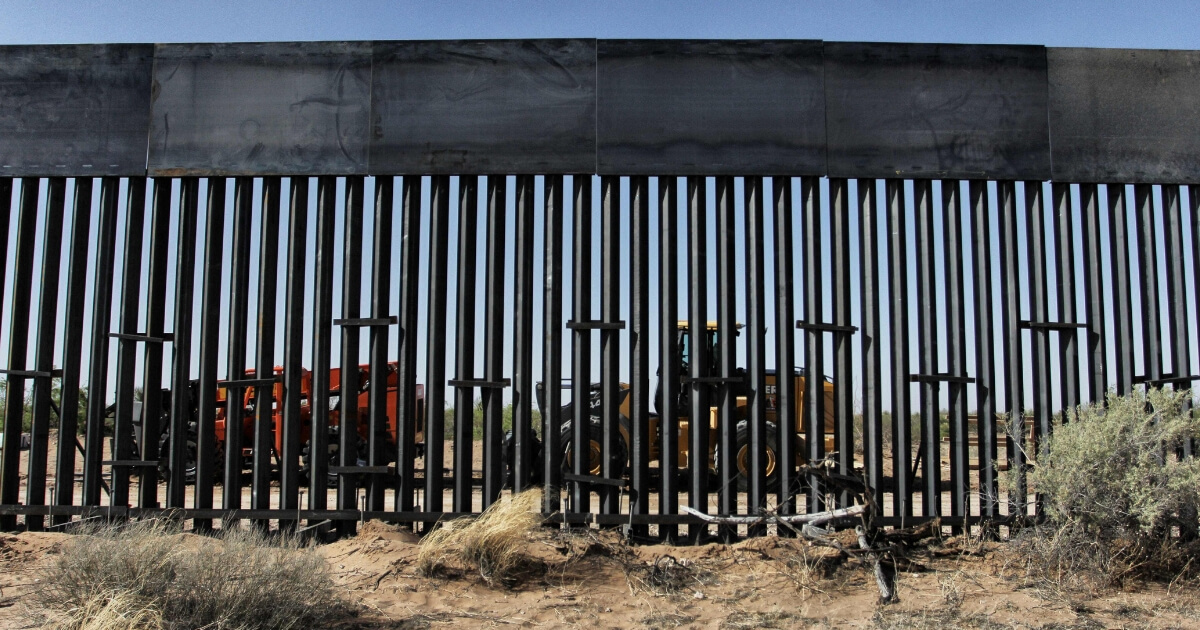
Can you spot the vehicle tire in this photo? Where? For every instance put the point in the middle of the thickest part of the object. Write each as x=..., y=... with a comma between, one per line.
x=385, y=449
x=536, y=476
x=595, y=458
x=164, y=460
x=741, y=452
x=331, y=458
x=189, y=466
x=218, y=464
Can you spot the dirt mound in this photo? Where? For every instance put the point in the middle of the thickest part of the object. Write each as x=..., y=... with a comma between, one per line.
x=592, y=579
x=29, y=546
x=387, y=531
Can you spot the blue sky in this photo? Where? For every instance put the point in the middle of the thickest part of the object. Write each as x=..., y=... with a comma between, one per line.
x=1149, y=24
x=1099, y=24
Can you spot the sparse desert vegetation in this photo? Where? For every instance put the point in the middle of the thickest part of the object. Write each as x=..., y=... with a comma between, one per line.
x=1115, y=549
x=1121, y=503
x=150, y=576
x=492, y=544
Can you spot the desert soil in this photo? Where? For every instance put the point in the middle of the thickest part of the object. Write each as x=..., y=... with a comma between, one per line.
x=591, y=579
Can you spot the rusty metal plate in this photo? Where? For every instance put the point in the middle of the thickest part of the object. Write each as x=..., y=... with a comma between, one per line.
x=74, y=110
x=937, y=111
x=480, y=107
x=294, y=108
x=691, y=107
x=1130, y=116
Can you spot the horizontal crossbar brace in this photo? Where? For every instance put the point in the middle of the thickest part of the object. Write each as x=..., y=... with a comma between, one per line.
x=366, y=321
x=714, y=380
x=939, y=378
x=361, y=470
x=32, y=373
x=248, y=382
x=603, y=481
x=129, y=463
x=143, y=337
x=480, y=383
x=1051, y=325
x=596, y=325
x=1167, y=379
x=823, y=327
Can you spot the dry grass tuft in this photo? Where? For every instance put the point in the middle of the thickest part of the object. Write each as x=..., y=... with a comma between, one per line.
x=951, y=587
x=493, y=544
x=809, y=571
x=136, y=561
x=147, y=571
x=115, y=610
x=748, y=620
x=935, y=619
x=666, y=576
x=667, y=621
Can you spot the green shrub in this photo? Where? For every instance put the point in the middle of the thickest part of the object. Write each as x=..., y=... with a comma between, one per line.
x=1119, y=502
x=1114, y=471
x=506, y=421
x=914, y=431
x=55, y=397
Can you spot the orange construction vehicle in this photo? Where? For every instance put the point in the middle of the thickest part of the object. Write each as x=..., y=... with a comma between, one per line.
x=249, y=415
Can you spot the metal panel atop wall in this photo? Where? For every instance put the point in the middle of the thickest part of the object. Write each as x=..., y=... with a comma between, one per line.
x=293, y=108
x=710, y=107
x=486, y=107
x=74, y=110
x=1125, y=115
x=936, y=111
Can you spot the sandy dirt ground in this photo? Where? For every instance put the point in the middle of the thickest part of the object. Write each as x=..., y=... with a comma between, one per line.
x=590, y=579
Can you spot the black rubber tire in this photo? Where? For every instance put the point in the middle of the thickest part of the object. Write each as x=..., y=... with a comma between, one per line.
x=189, y=470
x=331, y=458
x=741, y=452
x=385, y=449
x=596, y=437
x=164, y=461
x=536, y=475
x=219, y=464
